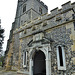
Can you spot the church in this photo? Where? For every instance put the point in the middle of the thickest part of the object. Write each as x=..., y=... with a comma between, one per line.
x=42, y=43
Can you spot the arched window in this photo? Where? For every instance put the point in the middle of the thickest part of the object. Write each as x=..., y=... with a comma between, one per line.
x=61, y=58
x=24, y=59
x=24, y=8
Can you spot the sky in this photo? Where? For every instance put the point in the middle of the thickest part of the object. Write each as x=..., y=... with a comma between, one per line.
x=8, y=12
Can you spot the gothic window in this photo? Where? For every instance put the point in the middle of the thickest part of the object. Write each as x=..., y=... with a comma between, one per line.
x=24, y=59
x=40, y=10
x=74, y=25
x=24, y=8
x=73, y=15
x=61, y=58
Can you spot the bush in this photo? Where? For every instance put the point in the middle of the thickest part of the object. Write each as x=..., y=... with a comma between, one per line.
x=1, y=61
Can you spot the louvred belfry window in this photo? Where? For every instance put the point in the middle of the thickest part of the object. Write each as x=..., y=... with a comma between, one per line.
x=24, y=8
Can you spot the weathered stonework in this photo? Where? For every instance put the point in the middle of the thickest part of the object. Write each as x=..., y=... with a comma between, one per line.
x=42, y=34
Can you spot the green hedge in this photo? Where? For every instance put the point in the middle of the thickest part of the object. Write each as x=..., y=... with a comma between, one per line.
x=0, y=63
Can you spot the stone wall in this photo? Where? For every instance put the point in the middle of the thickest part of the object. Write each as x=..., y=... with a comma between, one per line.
x=61, y=36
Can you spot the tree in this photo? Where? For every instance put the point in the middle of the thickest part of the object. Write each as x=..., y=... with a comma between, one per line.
x=1, y=42
x=1, y=61
x=1, y=38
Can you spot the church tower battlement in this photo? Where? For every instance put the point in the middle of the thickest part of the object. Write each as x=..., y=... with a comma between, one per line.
x=27, y=10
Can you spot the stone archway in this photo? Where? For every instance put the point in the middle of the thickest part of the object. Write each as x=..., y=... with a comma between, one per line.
x=39, y=63
x=45, y=50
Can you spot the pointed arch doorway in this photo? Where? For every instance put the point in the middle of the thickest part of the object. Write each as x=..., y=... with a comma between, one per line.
x=40, y=60
x=39, y=63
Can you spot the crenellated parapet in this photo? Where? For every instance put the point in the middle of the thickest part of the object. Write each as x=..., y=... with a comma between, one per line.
x=65, y=7
x=55, y=18
x=42, y=4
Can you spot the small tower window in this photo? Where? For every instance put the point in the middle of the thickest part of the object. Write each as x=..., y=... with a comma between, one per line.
x=24, y=8
x=61, y=58
x=24, y=59
x=40, y=10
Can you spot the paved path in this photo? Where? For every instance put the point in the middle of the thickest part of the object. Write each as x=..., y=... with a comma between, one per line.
x=7, y=73
x=2, y=72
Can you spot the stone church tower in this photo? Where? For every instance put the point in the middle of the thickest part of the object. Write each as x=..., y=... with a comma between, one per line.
x=42, y=43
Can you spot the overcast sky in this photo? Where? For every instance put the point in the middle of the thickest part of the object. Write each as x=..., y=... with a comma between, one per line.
x=8, y=11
